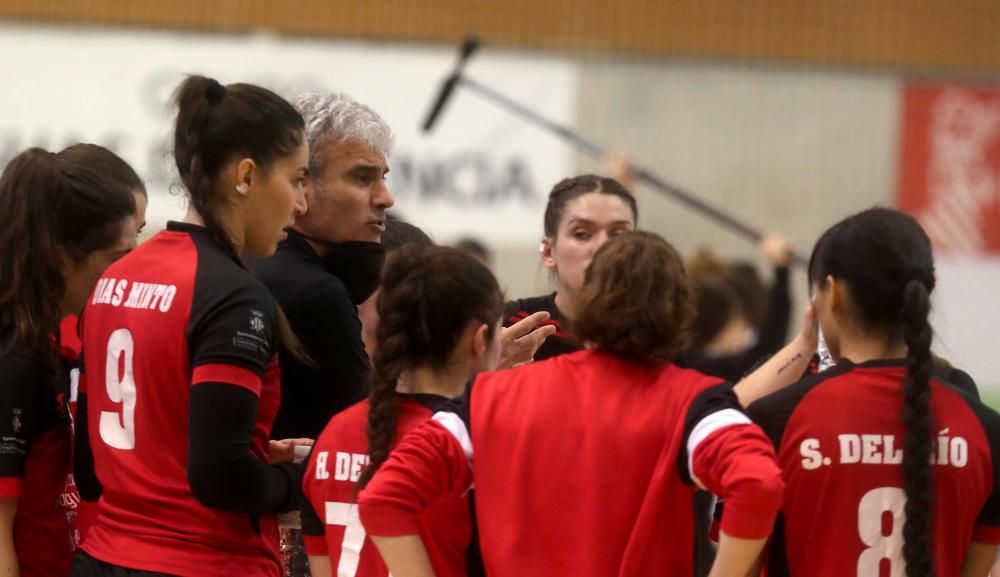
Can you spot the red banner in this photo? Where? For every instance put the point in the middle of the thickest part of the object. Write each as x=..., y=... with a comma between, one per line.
x=950, y=167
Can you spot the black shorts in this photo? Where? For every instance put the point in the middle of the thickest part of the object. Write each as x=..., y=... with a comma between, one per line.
x=86, y=566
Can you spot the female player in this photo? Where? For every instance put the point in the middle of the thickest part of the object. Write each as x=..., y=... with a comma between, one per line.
x=890, y=471
x=438, y=346
x=576, y=460
x=582, y=213
x=65, y=220
x=179, y=356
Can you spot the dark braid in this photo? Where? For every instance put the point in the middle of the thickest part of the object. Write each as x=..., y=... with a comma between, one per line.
x=884, y=258
x=918, y=443
x=420, y=325
x=216, y=124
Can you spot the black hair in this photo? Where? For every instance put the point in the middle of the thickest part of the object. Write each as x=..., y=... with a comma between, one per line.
x=216, y=124
x=53, y=205
x=420, y=324
x=885, y=260
x=399, y=233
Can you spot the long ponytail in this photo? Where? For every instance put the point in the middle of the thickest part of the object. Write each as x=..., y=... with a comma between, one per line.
x=918, y=442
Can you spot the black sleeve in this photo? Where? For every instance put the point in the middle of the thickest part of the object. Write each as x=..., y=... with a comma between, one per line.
x=774, y=331
x=84, y=474
x=21, y=388
x=961, y=380
x=711, y=400
x=222, y=471
x=236, y=326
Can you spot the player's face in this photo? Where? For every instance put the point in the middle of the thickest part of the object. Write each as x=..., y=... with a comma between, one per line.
x=271, y=204
x=588, y=221
x=350, y=197
x=81, y=276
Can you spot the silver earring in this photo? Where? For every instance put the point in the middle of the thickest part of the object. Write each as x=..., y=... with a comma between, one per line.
x=242, y=188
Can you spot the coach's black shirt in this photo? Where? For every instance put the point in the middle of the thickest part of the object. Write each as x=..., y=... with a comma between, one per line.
x=324, y=317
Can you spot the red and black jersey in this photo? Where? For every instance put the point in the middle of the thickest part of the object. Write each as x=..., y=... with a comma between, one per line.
x=174, y=314
x=839, y=437
x=584, y=464
x=330, y=522
x=35, y=445
x=560, y=343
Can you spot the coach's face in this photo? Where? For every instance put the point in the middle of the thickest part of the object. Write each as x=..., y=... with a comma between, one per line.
x=348, y=200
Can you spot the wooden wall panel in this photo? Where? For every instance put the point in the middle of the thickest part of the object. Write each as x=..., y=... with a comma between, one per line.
x=956, y=35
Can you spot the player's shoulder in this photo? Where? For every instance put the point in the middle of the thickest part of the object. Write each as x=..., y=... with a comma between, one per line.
x=773, y=411
x=962, y=399
x=518, y=309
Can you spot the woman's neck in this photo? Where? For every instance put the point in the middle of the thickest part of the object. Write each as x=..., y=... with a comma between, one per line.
x=566, y=303
x=860, y=348
x=192, y=216
x=449, y=382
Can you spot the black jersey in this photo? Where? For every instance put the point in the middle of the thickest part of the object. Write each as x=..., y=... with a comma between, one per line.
x=325, y=318
x=562, y=342
x=35, y=445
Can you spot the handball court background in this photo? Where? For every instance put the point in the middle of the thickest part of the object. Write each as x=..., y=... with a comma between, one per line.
x=790, y=114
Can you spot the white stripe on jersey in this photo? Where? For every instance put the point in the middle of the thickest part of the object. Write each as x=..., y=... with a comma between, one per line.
x=457, y=428
x=705, y=427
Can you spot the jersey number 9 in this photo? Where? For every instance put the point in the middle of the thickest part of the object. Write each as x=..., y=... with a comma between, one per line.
x=118, y=429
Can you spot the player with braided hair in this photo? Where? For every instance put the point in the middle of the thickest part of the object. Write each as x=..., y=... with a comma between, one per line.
x=439, y=313
x=890, y=470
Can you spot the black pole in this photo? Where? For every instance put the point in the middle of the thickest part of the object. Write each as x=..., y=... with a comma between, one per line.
x=590, y=147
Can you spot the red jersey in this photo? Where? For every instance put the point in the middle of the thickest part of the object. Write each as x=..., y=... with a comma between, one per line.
x=331, y=524
x=584, y=464
x=175, y=312
x=839, y=436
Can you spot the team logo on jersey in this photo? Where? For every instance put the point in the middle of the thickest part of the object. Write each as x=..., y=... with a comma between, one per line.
x=257, y=322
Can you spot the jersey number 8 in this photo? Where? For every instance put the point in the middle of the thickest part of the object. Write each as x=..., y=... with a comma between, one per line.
x=118, y=429
x=876, y=504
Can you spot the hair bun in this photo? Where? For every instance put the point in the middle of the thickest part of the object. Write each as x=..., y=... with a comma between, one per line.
x=214, y=92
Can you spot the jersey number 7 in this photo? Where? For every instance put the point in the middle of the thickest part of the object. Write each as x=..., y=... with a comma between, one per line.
x=118, y=429
x=346, y=515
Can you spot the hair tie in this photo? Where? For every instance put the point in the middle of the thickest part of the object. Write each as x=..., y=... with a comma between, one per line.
x=214, y=92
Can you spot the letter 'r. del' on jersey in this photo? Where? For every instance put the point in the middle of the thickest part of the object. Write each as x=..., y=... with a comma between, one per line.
x=839, y=437
x=584, y=464
x=174, y=313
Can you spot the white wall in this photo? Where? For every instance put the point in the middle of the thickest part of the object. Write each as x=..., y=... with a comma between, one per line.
x=790, y=150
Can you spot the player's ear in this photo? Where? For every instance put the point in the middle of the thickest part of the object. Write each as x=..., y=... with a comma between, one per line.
x=480, y=341
x=547, y=251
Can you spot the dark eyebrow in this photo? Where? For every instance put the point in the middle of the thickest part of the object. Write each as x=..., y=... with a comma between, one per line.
x=587, y=221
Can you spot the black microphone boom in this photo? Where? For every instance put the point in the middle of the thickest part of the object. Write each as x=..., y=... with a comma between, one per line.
x=471, y=44
x=469, y=47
